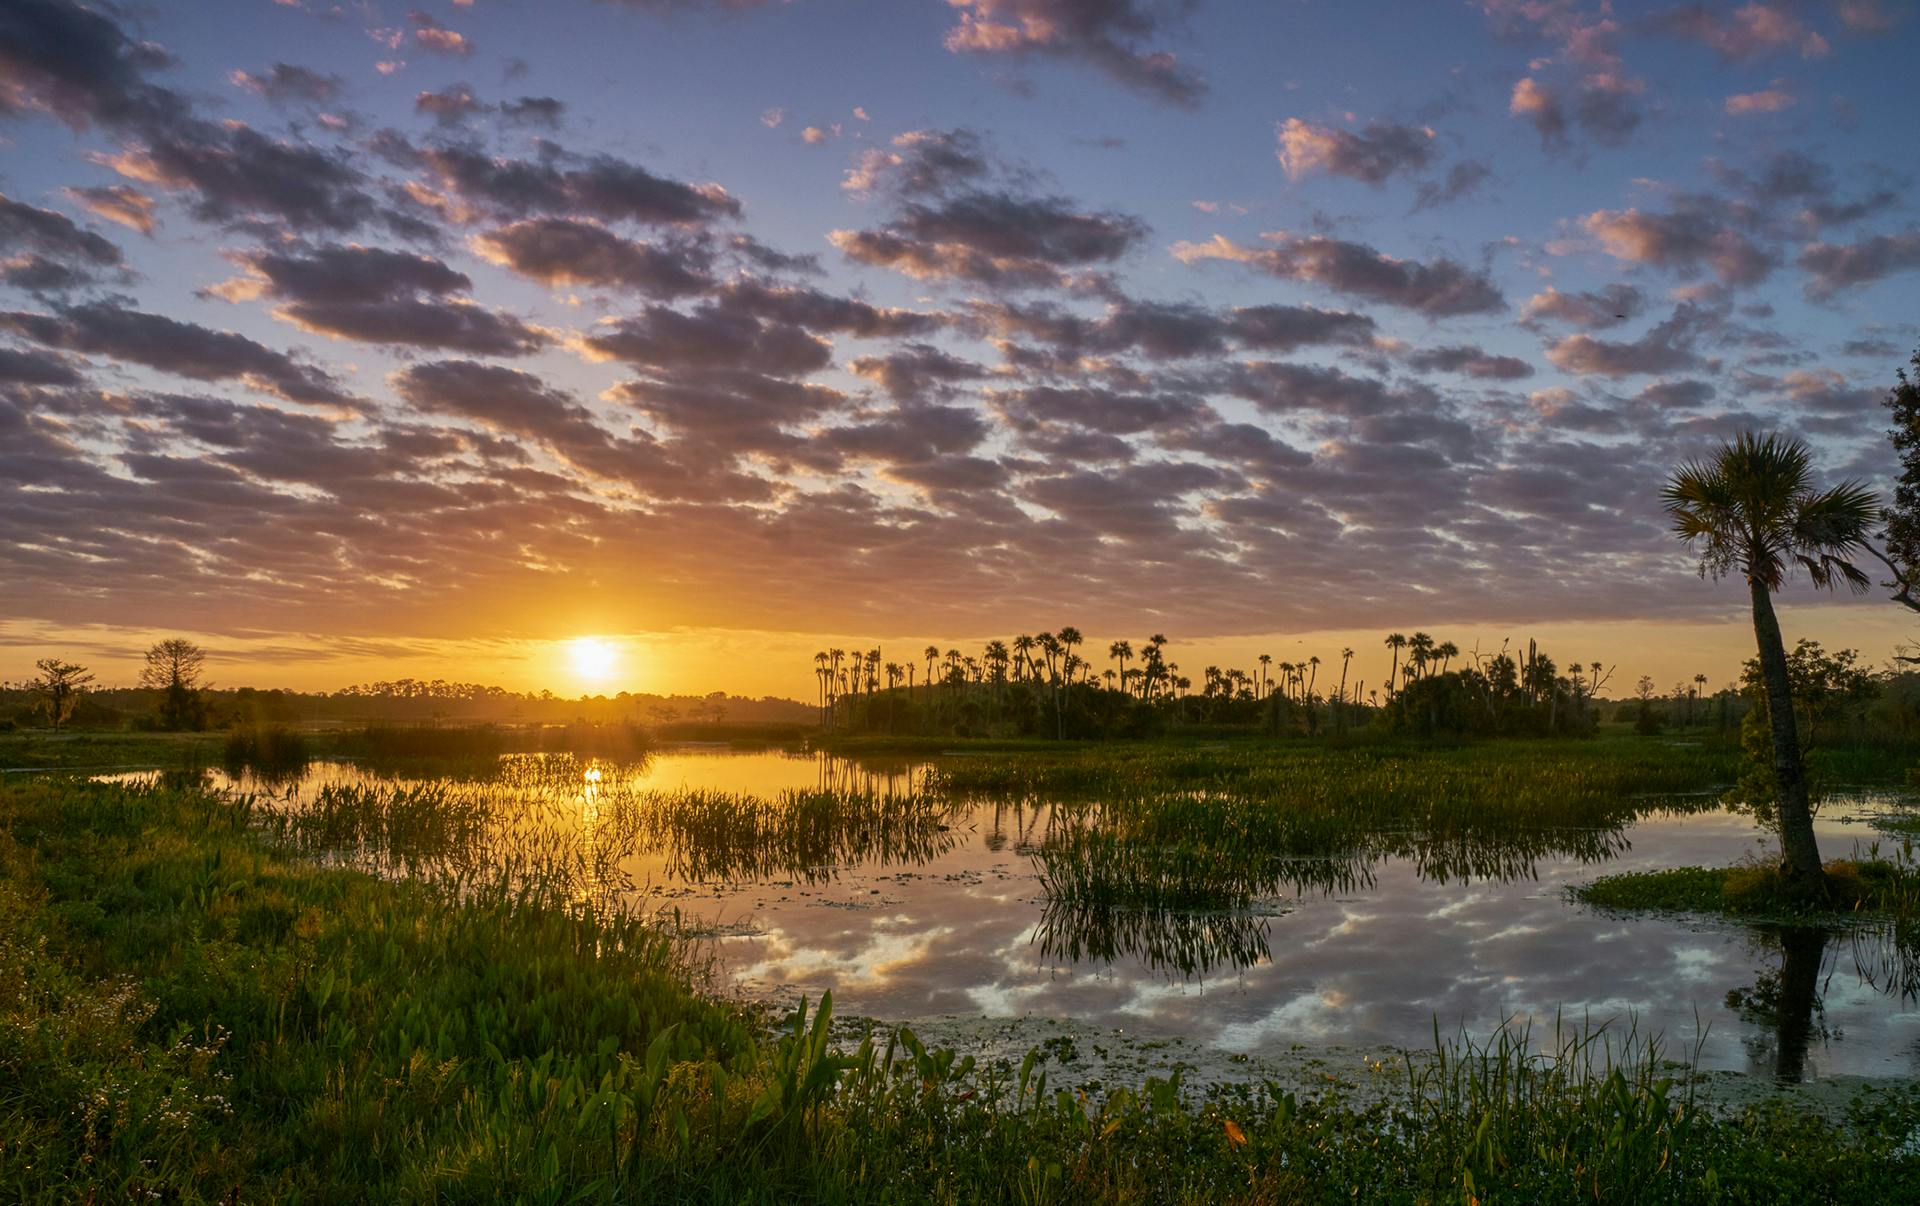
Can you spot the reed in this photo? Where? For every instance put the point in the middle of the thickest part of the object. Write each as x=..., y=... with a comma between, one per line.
x=192, y=1012
x=270, y=751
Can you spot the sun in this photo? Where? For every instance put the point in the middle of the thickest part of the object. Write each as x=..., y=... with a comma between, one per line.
x=593, y=659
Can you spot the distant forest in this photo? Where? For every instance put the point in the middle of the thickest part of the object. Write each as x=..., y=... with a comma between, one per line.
x=403, y=701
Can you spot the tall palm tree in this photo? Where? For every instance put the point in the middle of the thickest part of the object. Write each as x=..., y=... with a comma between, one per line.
x=1120, y=651
x=820, y=678
x=1395, y=642
x=1751, y=509
x=1422, y=656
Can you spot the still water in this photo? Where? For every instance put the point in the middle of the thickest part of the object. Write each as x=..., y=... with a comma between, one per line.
x=948, y=916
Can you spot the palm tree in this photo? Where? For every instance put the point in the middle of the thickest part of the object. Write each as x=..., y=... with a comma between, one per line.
x=1395, y=642
x=1752, y=510
x=1266, y=660
x=820, y=677
x=1699, y=689
x=1120, y=651
x=1446, y=651
x=1422, y=655
x=1346, y=655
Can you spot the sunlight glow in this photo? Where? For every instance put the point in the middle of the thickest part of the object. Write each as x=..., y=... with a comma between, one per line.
x=593, y=659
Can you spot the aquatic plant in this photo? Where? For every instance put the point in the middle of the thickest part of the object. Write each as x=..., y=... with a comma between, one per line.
x=188, y=1014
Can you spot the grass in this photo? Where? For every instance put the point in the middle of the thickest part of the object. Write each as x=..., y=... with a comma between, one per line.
x=191, y=1010
x=1872, y=886
x=271, y=751
x=107, y=751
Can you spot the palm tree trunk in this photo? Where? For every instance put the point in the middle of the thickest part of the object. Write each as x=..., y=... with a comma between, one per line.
x=1800, y=851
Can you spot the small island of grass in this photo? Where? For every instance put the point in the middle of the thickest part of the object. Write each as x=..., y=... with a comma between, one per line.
x=1850, y=887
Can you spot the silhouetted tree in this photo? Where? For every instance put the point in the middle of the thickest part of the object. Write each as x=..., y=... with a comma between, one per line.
x=1395, y=642
x=173, y=668
x=1752, y=509
x=58, y=687
x=1901, y=521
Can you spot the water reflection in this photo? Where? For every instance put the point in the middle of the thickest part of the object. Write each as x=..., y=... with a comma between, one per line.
x=1192, y=944
x=1199, y=916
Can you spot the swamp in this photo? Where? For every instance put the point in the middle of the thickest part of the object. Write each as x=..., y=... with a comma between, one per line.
x=709, y=972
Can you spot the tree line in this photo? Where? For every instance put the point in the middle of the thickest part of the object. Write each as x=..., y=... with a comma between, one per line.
x=173, y=694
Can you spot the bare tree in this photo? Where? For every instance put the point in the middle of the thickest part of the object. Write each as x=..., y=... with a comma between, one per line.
x=174, y=668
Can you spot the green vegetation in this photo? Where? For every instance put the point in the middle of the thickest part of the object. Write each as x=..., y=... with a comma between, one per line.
x=1853, y=887
x=1752, y=510
x=1491, y=786
x=172, y=697
x=194, y=1013
x=272, y=751
x=1040, y=687
x=108, y=751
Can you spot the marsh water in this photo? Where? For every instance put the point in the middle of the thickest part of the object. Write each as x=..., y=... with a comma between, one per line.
x=958, y=910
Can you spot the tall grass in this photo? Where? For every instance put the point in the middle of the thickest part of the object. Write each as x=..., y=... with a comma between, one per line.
x=190, y=1013
x=270, y=751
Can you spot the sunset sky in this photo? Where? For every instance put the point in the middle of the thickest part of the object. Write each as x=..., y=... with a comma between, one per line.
x=358, y=341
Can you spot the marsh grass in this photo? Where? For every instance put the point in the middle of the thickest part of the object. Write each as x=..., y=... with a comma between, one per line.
x=578, y=822
x=192, y=1011
x=269, y=751
x=1854, y=889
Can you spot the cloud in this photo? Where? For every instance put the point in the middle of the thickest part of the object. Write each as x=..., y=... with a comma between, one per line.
x=1835, y=267
x=595, y=186
x=1470, y=361
x=373, y=295
x=182, y=348
x=1868, y=16
x=1372, y=156
x=74, y=64
x=915, y=372
x=1462, y=180
x=1666, y=348
x=341, y=275
x=1607, y=307
x=1684, y=241
x=1437, y=288
x=1601, y=104
x=284, y=82
x=566, y=251
x=450, y=106
x=1770, y=100
x=708, y=338
x=1744, y=33
x=505, y=399
x=429, y=34
x=820, y=311
x=534, y=111
x=1535, y=102
x=1169, y=330
x=25, y=366
x=117, y=203
x=236, y=172
x=44, y=251
x=1795, y=178
x=920, y=163
x=994, y=238
x=1110, y=35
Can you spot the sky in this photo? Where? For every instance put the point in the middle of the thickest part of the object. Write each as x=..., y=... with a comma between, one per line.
x=365, y=341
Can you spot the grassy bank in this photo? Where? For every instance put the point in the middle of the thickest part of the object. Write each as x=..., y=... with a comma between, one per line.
x=189, y=1013
x=1853, y=887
